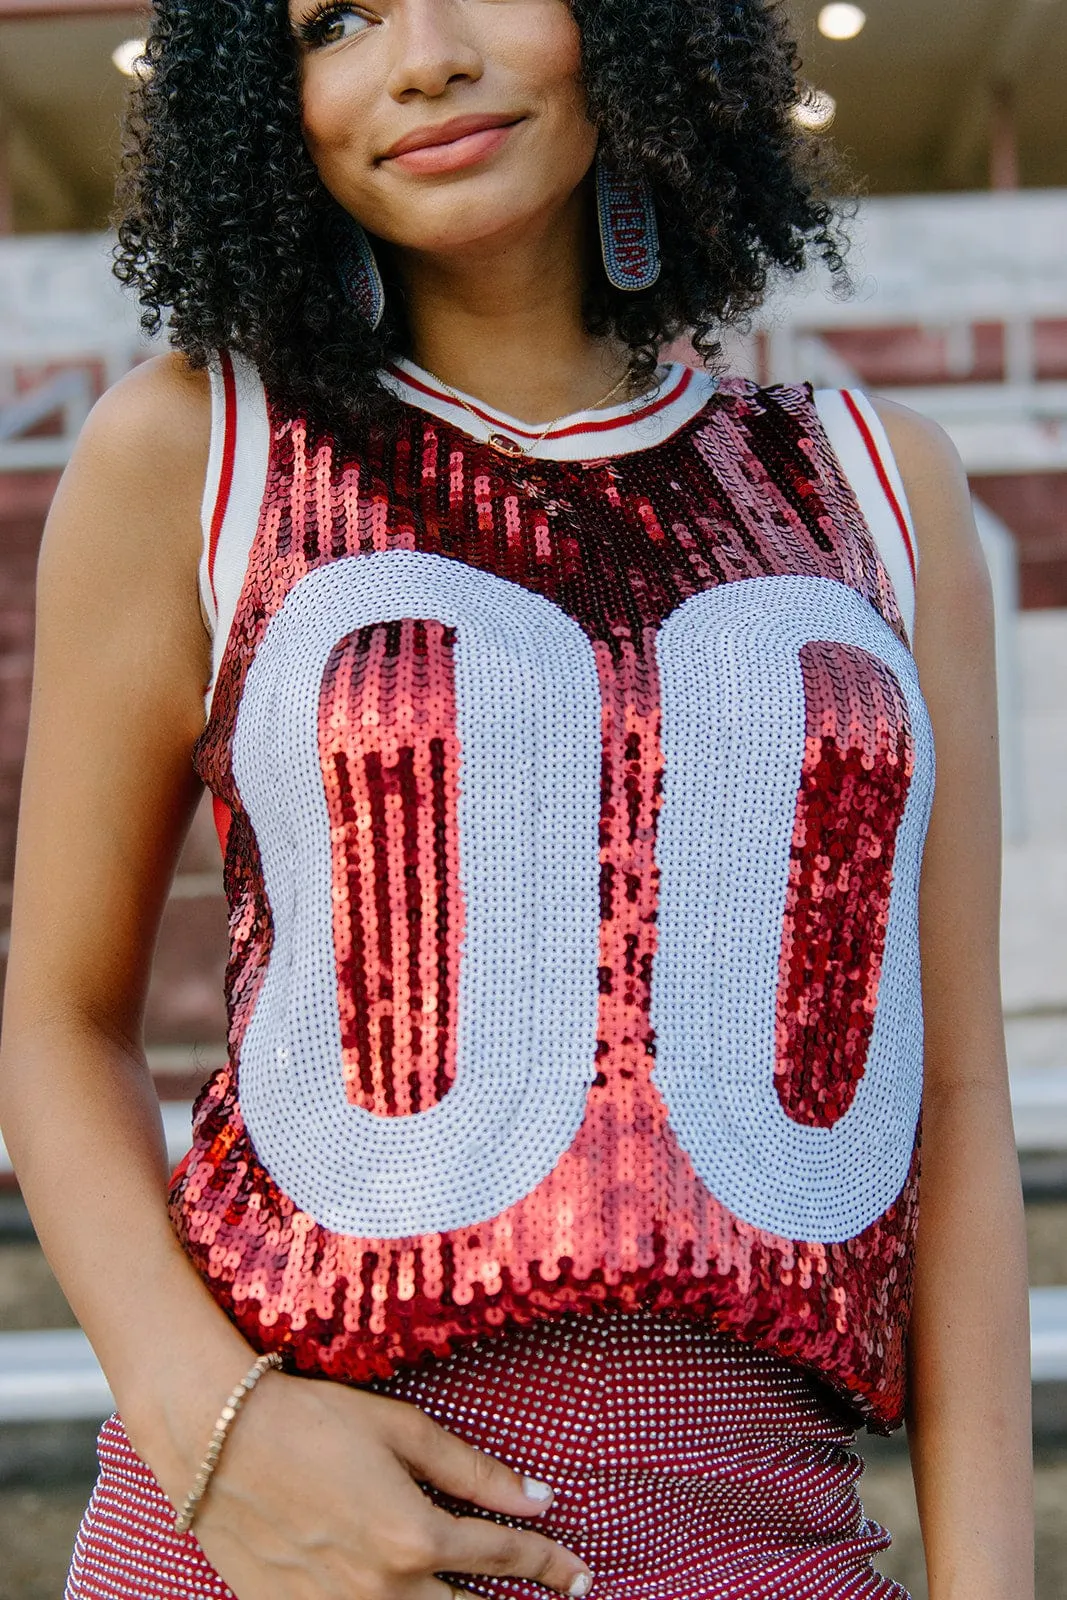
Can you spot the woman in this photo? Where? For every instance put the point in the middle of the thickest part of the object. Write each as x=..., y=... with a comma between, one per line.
x=572, y=778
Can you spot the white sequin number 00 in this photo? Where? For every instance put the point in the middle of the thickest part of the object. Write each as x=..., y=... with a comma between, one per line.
x=528, y=721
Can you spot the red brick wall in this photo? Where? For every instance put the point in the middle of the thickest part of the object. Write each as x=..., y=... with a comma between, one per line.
x=1034, y=506
x=24, y=499
x=916, y=355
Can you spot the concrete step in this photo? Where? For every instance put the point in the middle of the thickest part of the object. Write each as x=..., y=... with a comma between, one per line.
x=1039, y=1108
x=1048, y=1334
x=52, y=1375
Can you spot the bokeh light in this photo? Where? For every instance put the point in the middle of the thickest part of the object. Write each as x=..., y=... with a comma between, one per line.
x=129, y=57
x=816, y=111
x=841, y=21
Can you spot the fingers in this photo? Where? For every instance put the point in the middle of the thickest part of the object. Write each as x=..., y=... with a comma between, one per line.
x=439, y=1457
x=473, y=1544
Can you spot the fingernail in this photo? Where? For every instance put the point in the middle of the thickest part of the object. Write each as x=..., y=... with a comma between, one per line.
x=581, y=1585
x=534, y=1489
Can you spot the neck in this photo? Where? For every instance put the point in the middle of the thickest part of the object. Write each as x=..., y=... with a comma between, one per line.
x=503, y=320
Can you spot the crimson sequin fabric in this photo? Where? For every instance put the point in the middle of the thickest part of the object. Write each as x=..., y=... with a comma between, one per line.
x=572, y=815
x=685, y=1465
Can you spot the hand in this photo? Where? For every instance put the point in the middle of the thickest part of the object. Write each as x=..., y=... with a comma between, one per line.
x=316, y=1497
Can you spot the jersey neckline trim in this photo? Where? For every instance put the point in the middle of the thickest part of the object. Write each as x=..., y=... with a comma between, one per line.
x=582, y=435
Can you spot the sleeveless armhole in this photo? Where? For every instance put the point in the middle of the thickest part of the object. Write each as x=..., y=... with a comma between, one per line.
x=862, y=447
x=233, y=494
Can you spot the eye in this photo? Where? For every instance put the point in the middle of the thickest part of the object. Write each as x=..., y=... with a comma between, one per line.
x=330, y=24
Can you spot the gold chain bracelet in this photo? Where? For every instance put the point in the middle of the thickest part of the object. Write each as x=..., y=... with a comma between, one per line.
x=183, y=1520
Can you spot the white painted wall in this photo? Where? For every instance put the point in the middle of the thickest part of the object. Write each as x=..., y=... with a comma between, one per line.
x=59, y=300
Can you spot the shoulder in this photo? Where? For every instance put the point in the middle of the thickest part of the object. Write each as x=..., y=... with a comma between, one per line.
x=930, y=466
x=148, y=435
x=953, y=591
x=127, y=510
x=923, y=450
x=162, y=406
x=939, y=494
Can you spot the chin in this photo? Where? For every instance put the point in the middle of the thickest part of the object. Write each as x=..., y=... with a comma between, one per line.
x=470, y=222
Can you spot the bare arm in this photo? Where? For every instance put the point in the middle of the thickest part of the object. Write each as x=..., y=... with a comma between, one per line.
x=108, y=793
x=121, y=663
x=969, y=1412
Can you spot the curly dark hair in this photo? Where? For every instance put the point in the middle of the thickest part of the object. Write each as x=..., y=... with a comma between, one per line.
x=223, y=220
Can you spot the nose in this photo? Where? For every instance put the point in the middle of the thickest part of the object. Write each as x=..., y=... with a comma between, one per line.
x=433, y=47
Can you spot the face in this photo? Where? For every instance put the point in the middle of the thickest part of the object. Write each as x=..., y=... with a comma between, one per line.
x=497, y=80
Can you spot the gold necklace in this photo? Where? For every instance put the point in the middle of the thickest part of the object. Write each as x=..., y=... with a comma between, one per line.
x=502, y=443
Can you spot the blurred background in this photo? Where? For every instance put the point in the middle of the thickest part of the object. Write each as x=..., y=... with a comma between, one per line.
x=952, y=119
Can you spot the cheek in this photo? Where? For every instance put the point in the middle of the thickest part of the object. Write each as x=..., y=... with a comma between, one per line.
x=336, y=107
x=546, y=54
x=543, y=59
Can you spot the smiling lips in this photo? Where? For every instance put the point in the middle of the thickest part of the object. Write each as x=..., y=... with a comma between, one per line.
x=455, y=144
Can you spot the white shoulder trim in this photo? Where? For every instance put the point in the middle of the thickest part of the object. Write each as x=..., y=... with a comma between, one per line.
x=233, y=493
x=862, y=447
x=211, y=493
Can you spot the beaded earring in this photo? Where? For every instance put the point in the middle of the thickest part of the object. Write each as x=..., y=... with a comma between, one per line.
x=629, y=237
x=358, y=271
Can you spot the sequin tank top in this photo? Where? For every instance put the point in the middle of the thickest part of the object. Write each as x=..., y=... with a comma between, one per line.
x=572, y=815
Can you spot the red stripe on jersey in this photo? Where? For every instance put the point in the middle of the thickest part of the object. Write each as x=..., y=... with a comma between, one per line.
x=229, y=447
x=505, y=425
x=883, y=477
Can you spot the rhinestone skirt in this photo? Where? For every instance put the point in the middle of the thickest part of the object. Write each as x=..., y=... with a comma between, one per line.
x=686, y=1465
